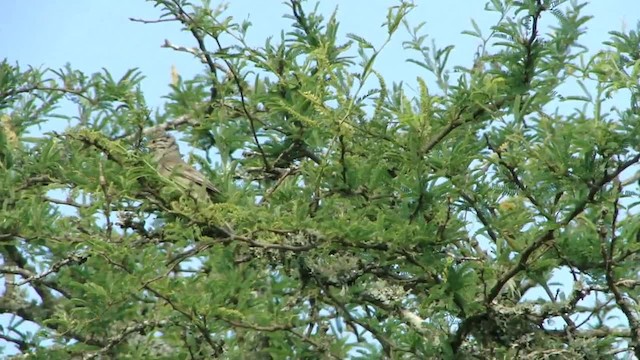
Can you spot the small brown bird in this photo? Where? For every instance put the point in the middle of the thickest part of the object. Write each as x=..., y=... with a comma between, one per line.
x=166, y=155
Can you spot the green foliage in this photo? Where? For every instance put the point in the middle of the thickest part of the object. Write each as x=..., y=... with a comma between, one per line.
x=360, y=220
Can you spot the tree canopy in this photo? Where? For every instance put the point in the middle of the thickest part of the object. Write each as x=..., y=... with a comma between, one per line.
x=357, y=218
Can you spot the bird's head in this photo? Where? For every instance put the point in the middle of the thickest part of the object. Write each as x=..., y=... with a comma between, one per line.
x=161, y=141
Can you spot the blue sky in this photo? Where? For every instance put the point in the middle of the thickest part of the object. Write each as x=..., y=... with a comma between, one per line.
x=96, y=34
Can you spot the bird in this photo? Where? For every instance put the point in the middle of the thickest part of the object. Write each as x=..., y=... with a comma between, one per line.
x=169, y=162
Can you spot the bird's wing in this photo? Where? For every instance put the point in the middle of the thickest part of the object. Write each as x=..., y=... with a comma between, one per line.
x=196, y=177
x=173, y=165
